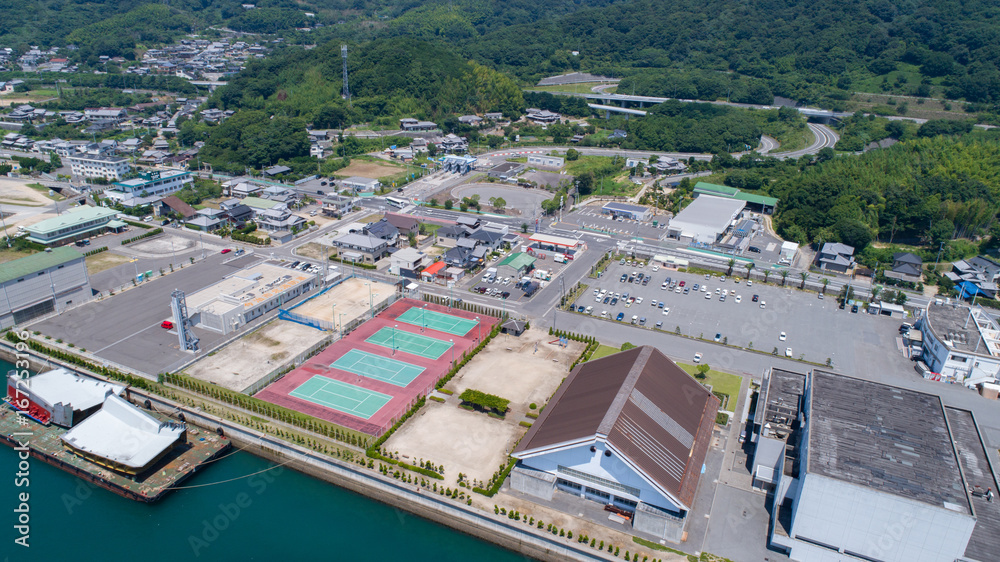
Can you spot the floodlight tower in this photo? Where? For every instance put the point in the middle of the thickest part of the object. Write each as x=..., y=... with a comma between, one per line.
x=347, y=92
x=188, y=341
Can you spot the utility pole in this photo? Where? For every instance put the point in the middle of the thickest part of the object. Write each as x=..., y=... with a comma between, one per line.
x=347, y=92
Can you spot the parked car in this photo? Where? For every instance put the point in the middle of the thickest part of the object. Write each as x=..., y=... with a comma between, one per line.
x=226, y=250
x=854, y=309
x=754, y=299
x=167, y=324
x=788, y=352
x=697, y=358
x=718, y=337
x=782, y=336
x=580, y=309
x=620, y=316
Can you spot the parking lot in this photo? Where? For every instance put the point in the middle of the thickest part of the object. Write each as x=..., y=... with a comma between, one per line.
x=813, y=326
x=483, y=283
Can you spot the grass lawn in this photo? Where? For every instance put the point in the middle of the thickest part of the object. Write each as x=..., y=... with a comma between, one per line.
x=371, y=218
x=431, y=228
x=7, y=255
x=792, y=136
x=723, y=383
x=103, y=261
x=604, y=351
x=45, y=191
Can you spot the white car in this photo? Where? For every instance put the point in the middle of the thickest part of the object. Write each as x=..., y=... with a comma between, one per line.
x=653, y=303
x=749, y=283
x=677, y=290
x=704, y=288
x=638, y=300
x=763, y=304
x=725, y=292
x=666, y=311
x=604, y=314
x=656, y=268
x=708, y=295
x=788, y=352
x=782, y=337
x=820, y=296
x=663, y=287
x=738, y=299
x=697, y=358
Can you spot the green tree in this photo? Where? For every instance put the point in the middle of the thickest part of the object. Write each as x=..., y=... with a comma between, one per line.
x=448, y=204
x=804, y=276
x=730, y=265
x=702, y=371
x=784, y=274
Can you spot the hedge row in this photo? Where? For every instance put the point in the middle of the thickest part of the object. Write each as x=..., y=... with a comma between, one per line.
x=571, y=335
x=356, y=264
x=588, y=352
x=273, y=411
x=251, y=239
x=141, y=225
x=96, y=251
x=153, y=232
x=497, y=480
x=484, y=400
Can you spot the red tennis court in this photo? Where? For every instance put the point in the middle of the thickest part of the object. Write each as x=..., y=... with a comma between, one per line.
x=402, y=398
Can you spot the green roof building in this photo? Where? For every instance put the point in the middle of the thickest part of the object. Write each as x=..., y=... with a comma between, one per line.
x=258, y=204
x=42, y=283
x=763, y=203
x=515, y=265
x=75, y=223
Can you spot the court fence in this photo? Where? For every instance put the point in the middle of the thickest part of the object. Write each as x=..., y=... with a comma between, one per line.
x=468, y=306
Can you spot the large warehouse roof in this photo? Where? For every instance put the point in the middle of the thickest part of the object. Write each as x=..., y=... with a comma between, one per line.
x=709, y=211
x=60, y=386
x=653, y=414
x=72, y=218
x=123, y=434
x=37, y=262
x=883, y=437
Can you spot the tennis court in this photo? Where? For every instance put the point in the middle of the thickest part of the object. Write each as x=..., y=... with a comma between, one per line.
x=378, y=368
x=408, y=342
x=341, y=396
x=437, y=321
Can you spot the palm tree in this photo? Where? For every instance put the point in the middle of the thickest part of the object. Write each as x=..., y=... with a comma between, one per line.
x=825, y=283
x=731, y=263
x=767, y=273
x=784, y=273
x=804, y=276
x=875, y=291
x=749, y=267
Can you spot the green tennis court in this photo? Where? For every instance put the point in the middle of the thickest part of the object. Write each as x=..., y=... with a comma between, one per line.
x=377, y=367
x=431, y=348
x=437, y=321
x=341, y=396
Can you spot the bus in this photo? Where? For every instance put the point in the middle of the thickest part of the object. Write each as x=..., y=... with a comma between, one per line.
x=397, y=202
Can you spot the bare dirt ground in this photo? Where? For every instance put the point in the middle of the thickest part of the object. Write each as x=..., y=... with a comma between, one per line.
x=369, y=170
x=16, y=192
x=350, y=299
x=313, y=250
x=167, y=244
x=474, y=443
x=103, y=261
x=249, y=358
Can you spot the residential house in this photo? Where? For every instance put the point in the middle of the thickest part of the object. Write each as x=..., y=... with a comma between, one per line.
x=450, y=234
x=358, y=183
x=618, y=134
x=205, y=223
x=384, y=230
x=410, y=124
x=239, y=214
x=471, y=120
x=434, y=273
x=405, y=224
x=172, y=204
x=277, y=171
x=541, y=116
x=242, y=187
x=834, y=256
x=494, y=116
x=361, y=248
x=489, y=239
x=278, y=218
x=279, y=194
x=337, y=206
x=461, y=255
x=906, y=267
x=407, y=263
x=454, y=143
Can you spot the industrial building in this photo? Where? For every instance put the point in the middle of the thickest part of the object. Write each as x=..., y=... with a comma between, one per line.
x=960, y=343
x=59, y=396
x=458, y=164
x=147, y=188
x=123, y=438
x=706, y=220
x=42, y=283
x=627, y=211
x=754, y=202
x=98, y=166
x=358, y=183
x=506, y=170
x=864, y=471
x=76, y=223
x=630, y=431
x=546, y=161
x=246, y=295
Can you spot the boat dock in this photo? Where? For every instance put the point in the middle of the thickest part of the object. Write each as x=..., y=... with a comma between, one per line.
x=198, y=449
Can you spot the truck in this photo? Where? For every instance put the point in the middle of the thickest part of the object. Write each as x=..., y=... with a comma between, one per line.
x=559, y=258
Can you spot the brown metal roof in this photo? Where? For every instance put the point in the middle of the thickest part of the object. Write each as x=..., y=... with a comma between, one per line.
x=648, y=410
x=402, y=222
x=175, y=203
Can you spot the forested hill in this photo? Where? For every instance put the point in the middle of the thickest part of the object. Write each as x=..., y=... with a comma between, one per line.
x=388, y=78
x=803, y=49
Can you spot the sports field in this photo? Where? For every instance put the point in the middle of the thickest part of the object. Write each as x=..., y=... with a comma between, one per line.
x=437, y=321
x=408, y=342
x=378, y=368
x=341, y=396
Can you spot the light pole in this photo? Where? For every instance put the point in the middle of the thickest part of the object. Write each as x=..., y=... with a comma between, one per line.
x=202, y=246
x=452, y=342
x=480, y=329
x=394, y=338
x=334, y=312
x=423, y=318
x=371, y=309
x=341, y=324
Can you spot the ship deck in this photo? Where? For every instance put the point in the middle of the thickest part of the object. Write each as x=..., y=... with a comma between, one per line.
x=181, y=462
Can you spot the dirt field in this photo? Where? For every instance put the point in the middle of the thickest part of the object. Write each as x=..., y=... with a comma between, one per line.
x=350, y=299
x=472, y=442
x=369, y=170
x=247, y=359
x=313, y=250
x=167, y=244
x=105, y=260
x=17, y=192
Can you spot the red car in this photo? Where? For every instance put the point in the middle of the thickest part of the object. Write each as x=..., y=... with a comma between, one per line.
x=226, y=250
x=167, y=324
x=682, y=283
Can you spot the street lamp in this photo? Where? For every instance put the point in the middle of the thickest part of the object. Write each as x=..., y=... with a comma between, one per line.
x=341, y=323
x=394, y=338
x=480, y=329
x=371, y=309
x=452, y=342
x=334, y=313
x=423, y=317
